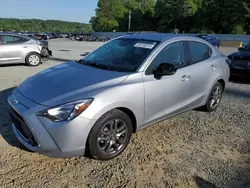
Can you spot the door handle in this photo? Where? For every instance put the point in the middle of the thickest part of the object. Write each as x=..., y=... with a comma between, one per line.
x=213, y=67
x=185, y=78
x=25, y=46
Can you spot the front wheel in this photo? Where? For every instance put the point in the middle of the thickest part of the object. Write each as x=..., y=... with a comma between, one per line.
x=110, y=135
x=214, y=98
x=33, y=59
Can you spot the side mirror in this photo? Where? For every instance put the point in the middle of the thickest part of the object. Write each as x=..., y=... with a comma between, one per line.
x=240, y=49
x=165, y=69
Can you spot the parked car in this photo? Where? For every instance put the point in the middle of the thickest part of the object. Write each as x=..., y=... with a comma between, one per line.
x=211, y=39
x=95, y=104
x=42, y=36
x=16, y=48
x=240, y=62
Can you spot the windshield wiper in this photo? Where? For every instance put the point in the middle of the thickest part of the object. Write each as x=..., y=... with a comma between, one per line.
x=101, y=66
x=96, y=65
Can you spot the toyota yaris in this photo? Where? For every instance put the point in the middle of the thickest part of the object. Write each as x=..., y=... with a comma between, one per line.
x=94, y=105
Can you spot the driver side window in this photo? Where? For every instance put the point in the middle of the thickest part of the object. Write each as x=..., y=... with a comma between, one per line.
x=172, y=53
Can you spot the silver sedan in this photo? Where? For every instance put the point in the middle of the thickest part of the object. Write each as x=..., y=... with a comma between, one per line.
x=15, y=48
x=95, y=104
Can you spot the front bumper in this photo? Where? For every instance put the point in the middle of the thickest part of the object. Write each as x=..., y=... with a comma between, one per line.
x=38, y=134
x=240, y=72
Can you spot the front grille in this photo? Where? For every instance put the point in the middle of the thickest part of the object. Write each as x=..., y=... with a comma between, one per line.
x=241, y=64
x=22, y=127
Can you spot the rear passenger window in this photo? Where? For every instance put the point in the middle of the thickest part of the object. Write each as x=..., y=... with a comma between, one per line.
x=13, y=39
x=199, y=51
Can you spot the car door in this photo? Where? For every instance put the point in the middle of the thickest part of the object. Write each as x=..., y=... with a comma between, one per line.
x=12, y=48
x=167, y=95
x=203, y=70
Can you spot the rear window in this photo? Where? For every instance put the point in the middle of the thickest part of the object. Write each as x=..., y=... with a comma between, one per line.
x=7, y=39
x=199, y=51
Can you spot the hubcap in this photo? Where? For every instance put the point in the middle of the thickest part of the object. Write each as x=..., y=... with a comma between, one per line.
x=215, y=97
x=34, y=60
x=112, y=136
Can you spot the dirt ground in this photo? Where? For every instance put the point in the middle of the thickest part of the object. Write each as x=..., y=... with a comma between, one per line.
x=194, y=149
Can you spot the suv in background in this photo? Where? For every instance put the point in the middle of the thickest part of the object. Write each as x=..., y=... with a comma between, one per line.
x=211, y=39
x=15, y=48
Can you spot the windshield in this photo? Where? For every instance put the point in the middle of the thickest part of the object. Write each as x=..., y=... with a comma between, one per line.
x=124, y=55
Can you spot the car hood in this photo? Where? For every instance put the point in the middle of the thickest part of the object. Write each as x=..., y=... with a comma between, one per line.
x=68, y=82
x=238, y=55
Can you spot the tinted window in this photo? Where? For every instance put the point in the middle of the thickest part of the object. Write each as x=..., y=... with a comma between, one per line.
x=13, y=39
x=172, y=53
x=199, y=51
x=121, y=54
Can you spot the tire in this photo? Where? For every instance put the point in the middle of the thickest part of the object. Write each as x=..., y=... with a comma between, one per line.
x=215, y=97
x=33, y=59
x=105, y=142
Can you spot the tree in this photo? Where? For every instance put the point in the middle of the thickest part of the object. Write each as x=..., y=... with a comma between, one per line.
x=222, y=16
x=142, y=12
x=171, y=14
x=196, y=16
x=41, y=25
x=108, y=15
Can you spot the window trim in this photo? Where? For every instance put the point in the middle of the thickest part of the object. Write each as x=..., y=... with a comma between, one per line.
x=189, y=52
x=186, y=63
x=13, y=41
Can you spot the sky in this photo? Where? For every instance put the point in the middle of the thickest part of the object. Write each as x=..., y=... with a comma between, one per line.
x=67, y=10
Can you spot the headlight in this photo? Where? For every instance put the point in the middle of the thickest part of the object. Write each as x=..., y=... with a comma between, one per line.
x=67, y=111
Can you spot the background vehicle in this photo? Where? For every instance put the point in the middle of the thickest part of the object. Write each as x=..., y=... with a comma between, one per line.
x=127, y=84
x=211, y=39
x=22, y=49
x=240, y=62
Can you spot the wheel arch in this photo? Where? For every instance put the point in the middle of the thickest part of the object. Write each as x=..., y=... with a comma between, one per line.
x=223, y=83
x=131, y=115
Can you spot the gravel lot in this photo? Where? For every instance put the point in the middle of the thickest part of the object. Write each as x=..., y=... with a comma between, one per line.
x=194, y=149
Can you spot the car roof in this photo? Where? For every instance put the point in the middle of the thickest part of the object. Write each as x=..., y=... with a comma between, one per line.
x=150, y=36
x=11, y=34
x=15, y=34
x=160, y=37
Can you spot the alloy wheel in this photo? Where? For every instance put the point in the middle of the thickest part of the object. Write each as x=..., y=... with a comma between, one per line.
x=215, y=97
x=112, y=136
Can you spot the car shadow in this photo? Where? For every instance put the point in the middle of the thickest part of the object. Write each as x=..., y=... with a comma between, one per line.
x=201, y=183
x=13, y=65
x=239, y=80
x=60, y=59
x=237, y=93
x=6, y=130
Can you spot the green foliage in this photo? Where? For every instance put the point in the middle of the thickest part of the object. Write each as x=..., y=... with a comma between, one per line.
x=108, y=15
x=196, y=16
x=35, y=25
x=238, y=29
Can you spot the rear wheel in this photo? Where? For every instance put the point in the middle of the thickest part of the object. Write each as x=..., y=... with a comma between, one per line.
x=110, y=135
x=33, y=59
x=214, y=98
